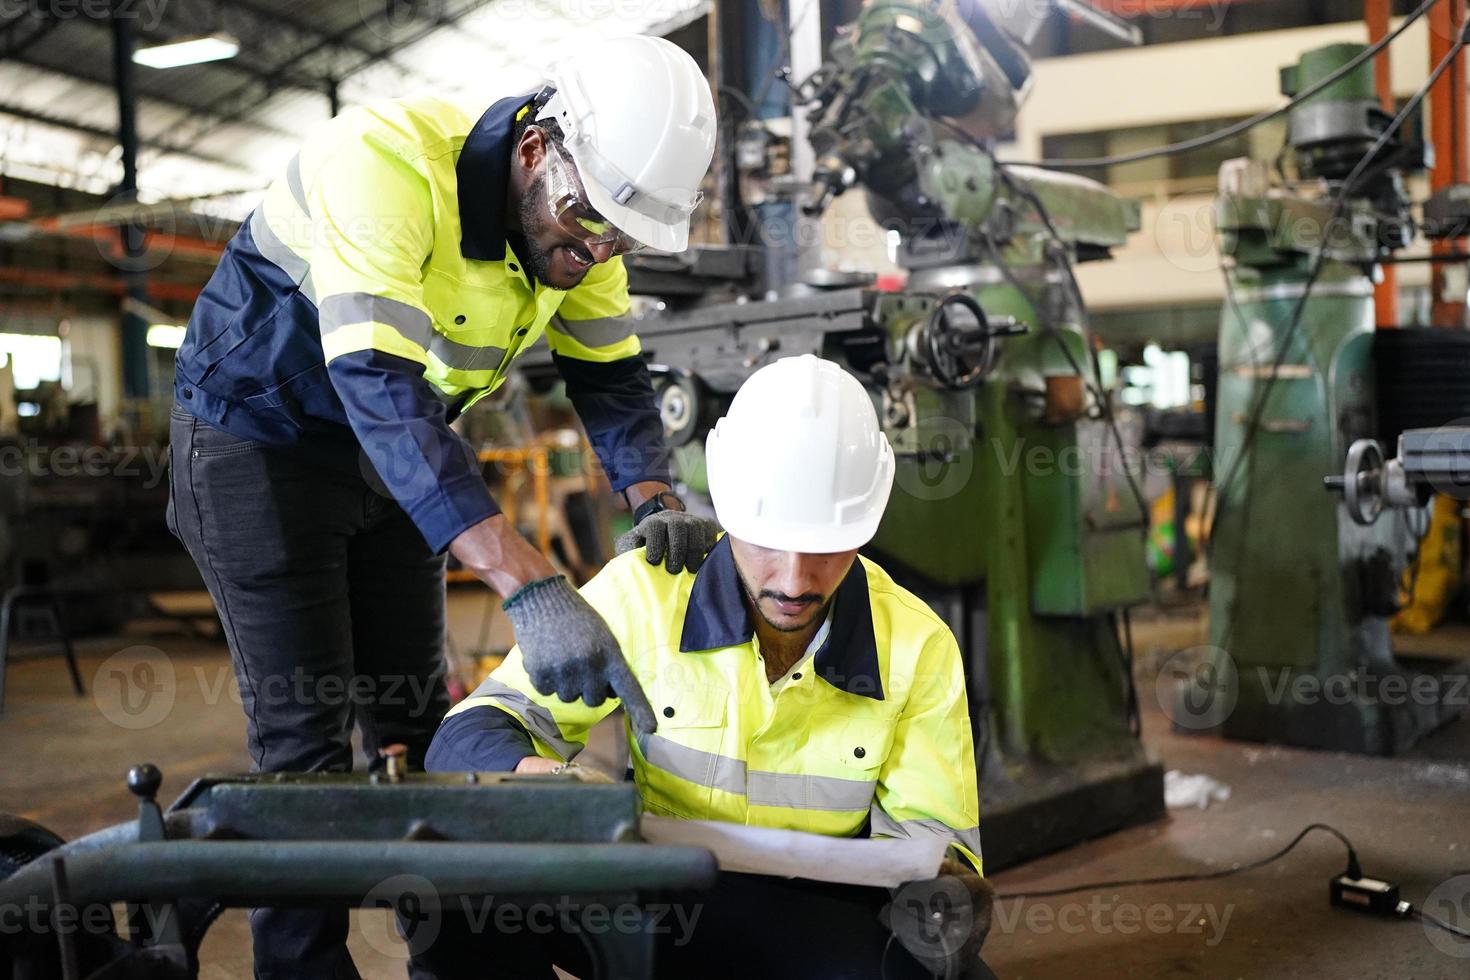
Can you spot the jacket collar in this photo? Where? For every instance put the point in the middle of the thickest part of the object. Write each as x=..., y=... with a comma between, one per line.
x=717, y=618
x=482, y=173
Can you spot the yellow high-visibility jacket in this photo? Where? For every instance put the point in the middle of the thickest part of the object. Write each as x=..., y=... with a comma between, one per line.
x=376, y=293
x=872, y=730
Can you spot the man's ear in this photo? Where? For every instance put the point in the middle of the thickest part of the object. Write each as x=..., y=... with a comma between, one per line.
x=529, y=151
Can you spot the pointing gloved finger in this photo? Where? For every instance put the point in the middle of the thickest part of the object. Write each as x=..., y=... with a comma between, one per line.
x=625, y=685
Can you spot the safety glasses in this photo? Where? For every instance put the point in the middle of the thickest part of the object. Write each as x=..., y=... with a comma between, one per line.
x=570, y=208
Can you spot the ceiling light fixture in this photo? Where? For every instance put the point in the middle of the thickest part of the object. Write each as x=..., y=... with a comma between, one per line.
x=188, y=51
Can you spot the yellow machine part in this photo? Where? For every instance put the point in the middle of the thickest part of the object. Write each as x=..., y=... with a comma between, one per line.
x=1435, y=576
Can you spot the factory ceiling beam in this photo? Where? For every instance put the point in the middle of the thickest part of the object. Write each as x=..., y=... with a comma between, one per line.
x=172, y=103
x=14, y=40
x=270, y=16
x=239, y=102
x=237, y=66
x=71, y=125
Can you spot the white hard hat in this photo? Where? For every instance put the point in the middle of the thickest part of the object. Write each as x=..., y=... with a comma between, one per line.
x=799, y=462
x=639, y=122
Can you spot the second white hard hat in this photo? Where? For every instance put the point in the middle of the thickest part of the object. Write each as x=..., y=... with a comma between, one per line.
x=799, y=463
x=639, y=122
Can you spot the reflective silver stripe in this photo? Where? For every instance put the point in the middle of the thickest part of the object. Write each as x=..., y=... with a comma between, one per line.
x=602, y=332
x=464, y=357
x=274, y=250
x=697, y=766
x=885, y=826
x=537, y=719
x=800, y=792
x=293, y=180
x=348, y=308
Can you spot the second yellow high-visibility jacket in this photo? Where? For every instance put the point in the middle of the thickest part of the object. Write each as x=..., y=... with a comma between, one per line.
x=871, y=732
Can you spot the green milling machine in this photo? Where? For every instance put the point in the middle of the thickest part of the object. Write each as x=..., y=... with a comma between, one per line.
x=1012, y=512
x=1300, y=592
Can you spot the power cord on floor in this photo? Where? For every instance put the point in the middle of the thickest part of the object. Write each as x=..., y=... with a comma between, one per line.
x=1350, y=890
x=1353, y=869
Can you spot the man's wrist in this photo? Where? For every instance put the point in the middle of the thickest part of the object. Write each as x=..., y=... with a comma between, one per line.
x=499, y=556
x=637, y=494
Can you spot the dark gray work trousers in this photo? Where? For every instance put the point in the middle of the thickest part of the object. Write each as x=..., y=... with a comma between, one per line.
x=333, y=607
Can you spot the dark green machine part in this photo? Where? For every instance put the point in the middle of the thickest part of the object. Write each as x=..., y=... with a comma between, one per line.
x=1300, y=594
x=1024, y=532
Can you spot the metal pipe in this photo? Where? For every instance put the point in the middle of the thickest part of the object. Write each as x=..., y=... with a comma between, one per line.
x=247, y=873
x=1376, y=13
x=1447, y=131
x=61, y=281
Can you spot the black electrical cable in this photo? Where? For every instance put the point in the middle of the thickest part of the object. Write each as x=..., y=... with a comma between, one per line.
x=1235, y=129
x=1353, y=870
x=1104, y=399
x=1424, y=916
x=1105, y=404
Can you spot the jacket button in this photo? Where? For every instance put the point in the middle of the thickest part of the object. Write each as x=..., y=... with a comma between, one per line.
x=859, y=751
x=459, y=319
x=796, y=676
x=188, y=392
x=668, y=712
x=514, y=267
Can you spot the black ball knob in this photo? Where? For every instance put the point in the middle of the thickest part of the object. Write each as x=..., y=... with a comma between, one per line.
x=144, y=780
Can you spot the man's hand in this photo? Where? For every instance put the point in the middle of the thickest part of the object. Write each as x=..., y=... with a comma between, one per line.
x=536, y=764
x=568, y=650
x=943, y=921
x=676, y=539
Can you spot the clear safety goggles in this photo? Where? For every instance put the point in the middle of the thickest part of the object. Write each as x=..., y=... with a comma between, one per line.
x=573, y=212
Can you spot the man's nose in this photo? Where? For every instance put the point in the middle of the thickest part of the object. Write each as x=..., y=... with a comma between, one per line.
x=601, y=251
x=796, y=574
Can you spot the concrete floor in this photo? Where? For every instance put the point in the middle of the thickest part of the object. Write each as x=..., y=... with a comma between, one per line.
x=1409, y=817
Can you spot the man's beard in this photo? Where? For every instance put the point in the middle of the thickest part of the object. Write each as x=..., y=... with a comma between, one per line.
x=534, y=221
x=755, y=597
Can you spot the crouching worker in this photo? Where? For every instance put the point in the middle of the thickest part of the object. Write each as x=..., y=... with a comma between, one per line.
x=795, y=685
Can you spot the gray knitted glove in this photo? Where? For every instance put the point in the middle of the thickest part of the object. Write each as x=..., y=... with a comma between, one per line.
x=569, y=651
x=679, y=539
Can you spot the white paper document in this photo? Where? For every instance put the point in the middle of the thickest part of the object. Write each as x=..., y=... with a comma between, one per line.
x=883, y=863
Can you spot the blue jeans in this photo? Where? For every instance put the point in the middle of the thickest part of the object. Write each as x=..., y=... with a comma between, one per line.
x=333, y=607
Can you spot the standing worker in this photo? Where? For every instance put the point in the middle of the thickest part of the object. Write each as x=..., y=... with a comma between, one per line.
x=389, y=279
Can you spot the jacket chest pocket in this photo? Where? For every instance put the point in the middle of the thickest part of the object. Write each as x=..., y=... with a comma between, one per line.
x=472, y=323
x=685, y=762
x=851, y=744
